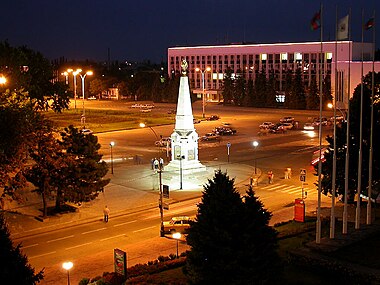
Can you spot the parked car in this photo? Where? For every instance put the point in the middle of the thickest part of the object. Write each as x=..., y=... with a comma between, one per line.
x=213, y=118
x=287, y=126
x=196, y=121
x=277, y=128
x=210, y=137
x=324, y=121
x=287, y=120
x=266, y=125
x=177, y=225
x=224, y=131
x=136, y=106
x=91, y=98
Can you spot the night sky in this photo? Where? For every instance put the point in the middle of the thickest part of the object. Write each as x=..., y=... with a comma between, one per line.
x=143, y=30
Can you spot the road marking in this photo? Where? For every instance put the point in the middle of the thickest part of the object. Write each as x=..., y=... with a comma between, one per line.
x=62, y=238
x=27, y=246
x=144, y=229
x=122, y=224
x=93, y=231
x=83, y=244
x=112, y=237
x=40, y=255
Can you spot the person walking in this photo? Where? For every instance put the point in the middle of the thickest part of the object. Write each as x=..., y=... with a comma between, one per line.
x=155, y=162
x=106, y=213
x=161, y=163
x=270, y=177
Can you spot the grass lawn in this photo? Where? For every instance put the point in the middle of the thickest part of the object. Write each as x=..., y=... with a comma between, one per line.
x=101, y=120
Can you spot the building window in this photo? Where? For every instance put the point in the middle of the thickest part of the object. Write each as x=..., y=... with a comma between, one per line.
x=284, y=56
x=298, y=56
x=263, y=56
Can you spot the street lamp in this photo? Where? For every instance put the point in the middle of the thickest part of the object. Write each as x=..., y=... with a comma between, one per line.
x=75, y=73
x=203, y=87
x=66, y=74
x=180, y=157
x=255, y=144
x=160, y=203
x=177, y=236
x=3, y=80
x=111, y=146
x=83, y=77
x=67, y=266
x=143, y=125
x=330, y=106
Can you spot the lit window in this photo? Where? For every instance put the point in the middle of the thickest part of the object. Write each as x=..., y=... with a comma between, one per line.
x=298, y=56
x=263, y=56
x=284, y=56
x=328, y=55
x=280, y=98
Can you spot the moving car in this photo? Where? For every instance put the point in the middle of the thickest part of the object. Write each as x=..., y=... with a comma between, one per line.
x=287, y=120
x=210, y=137
x=308, y=127
x=266, y=125
x=324, y=121
x=224, y=131
x=177, y=225
x=287, y=126
x=213, y=118
x=86, y=131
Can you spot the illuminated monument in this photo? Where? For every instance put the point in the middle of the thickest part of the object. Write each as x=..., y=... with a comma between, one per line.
x=184, y=139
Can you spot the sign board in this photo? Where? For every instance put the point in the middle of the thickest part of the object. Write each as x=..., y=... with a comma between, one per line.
x=303, y=172
x=120, y=261
x=299, y=210
x=165, y=191
x=228, y=144
x=303, y=178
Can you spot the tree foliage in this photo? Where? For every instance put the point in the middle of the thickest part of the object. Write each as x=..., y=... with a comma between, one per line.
x=230, y=240
x=341, y=141
x=14, y=266
x=31, y=71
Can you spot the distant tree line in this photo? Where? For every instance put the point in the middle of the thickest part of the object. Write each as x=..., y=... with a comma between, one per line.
x=262, y=92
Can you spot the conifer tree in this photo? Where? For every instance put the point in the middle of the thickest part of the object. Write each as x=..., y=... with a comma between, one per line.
x=230, y=240
x=14, y=266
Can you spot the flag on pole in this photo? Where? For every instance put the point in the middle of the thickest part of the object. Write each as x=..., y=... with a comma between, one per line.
x=343, y=28
x=315, y=23
x=369, y=24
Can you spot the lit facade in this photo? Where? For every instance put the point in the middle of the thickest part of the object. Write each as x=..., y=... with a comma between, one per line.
x=248, y=60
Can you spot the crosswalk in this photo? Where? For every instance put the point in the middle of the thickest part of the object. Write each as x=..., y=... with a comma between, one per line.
x=285, y=188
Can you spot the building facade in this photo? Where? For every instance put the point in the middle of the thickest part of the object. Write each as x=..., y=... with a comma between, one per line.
x=249, y=60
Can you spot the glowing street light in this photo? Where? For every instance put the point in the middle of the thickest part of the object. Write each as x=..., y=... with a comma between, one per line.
x=75, y=73
x=203, y=87
x=67, y=266
x=112, y=144
x=255, y=144
x=177, y=236
x=3, y=80
x=83, y=78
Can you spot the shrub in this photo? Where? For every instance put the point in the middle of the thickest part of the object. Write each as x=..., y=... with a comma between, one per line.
x=84, y=281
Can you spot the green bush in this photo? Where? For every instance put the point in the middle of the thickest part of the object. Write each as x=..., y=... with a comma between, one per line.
x=84, y=281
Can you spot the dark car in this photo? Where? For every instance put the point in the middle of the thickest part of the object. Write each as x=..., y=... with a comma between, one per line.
x=213, y=118
x=277, y=129
x=210, y=137
x=224, y=131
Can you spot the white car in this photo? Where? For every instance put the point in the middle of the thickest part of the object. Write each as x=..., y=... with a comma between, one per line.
x=86, y=131
x=287, y=120
x=287, y=126
x=177, y=224
x=266, y=125
x=308, y=127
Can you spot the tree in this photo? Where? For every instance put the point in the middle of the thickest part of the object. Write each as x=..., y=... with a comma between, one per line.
x=271, y=90
x=249, y=98
x=14, y=266
x=289, y=98
x=240, y=89
x=326, y=183
x=326, y=89
x=228, y=87
x=228, y=238
x=29, y=70
x=260, y=89
x=312, y=97
x=83, y=178
x=298, y=91
x=18, y=120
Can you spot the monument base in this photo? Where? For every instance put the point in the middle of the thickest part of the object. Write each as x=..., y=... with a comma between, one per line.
x=186, y=166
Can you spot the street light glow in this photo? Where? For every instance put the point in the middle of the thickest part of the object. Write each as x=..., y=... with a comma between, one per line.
x=3, y=80
x=112, y=143
x=67, y=265
x=177, y=235
x=142, y=125
x=255, y=143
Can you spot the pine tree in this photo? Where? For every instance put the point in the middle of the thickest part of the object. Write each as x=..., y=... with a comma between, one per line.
x=298, y=91
x=289, y=100
x=261, y=88
x=14, y=266
x=271, y=91
x=228, y=87
x=312, y=98
x=228, y=238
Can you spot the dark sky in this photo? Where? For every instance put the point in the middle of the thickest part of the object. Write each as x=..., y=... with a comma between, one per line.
x=143, y=30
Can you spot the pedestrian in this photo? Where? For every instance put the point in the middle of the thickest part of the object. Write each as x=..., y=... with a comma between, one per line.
x=286, y=176
x=289, y=173
x=270, y=173
x=155, y=163
x=161, y=163
x=152, y=163
x=106, y=213
x=271, y=178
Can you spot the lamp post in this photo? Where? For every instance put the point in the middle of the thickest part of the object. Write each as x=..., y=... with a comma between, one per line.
x=75, y=73
x=160, y=203
x=180, y=157
x=203, y=87
x=67, y=266
x=111, y=146
x=255, y=144
x=177, y=236
x=83, y=78
x=143, y=125
x=66, y=74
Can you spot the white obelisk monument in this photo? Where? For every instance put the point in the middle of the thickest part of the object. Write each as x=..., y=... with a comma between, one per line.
x=184, y=139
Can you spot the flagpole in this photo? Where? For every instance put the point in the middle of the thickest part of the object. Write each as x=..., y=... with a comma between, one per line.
x=347, y=162
x=357, y=220
x=333, y=190
x=369, y=204
x=318, y=226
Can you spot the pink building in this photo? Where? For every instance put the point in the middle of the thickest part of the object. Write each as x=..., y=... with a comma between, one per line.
x=249, y=59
